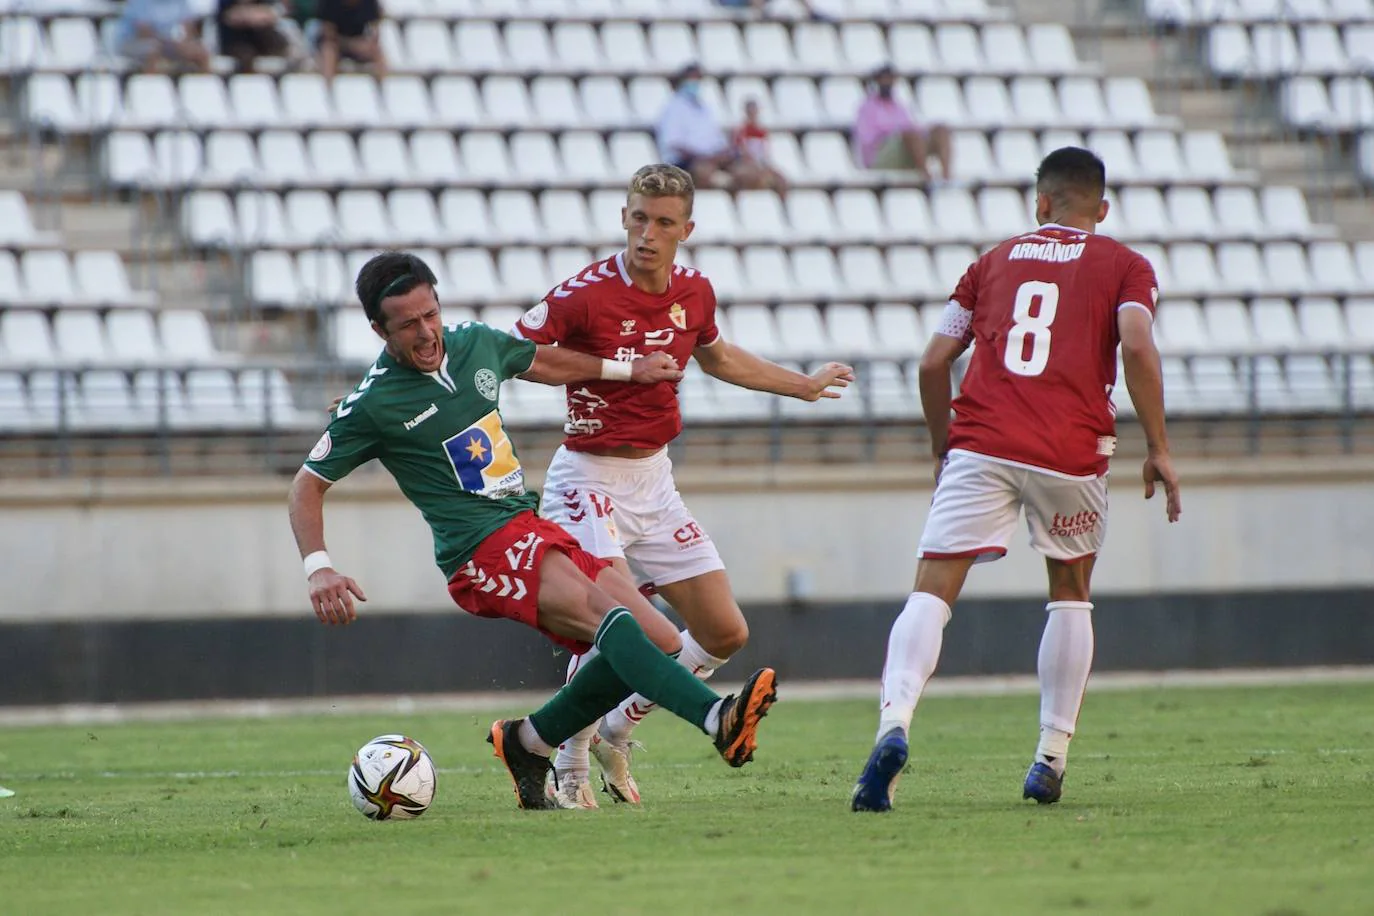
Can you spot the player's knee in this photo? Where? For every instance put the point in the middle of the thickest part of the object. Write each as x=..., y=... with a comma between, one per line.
x=726, y=640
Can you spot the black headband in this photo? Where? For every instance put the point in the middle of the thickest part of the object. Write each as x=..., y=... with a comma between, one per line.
x=391, y=287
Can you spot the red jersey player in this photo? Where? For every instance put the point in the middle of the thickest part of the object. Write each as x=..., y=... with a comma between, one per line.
x=611, y=484
x=1033, y=429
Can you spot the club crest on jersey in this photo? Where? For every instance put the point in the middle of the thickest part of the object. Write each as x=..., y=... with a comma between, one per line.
x=678, y=315
x=487, y=383
x=627, y=327
x=484, y=460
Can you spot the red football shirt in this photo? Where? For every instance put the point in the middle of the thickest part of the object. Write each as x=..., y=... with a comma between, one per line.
x=1038, y=388
x=601, y=312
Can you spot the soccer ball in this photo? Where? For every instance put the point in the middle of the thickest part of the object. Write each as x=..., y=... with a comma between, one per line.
x=392, y=778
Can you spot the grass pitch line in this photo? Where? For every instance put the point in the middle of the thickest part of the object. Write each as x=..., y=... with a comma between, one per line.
x=181, y=711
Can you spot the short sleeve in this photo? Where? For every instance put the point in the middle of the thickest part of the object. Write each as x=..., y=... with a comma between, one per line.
x=966, y=293
x=710, y=332
x=1139, y=287
x=349, y=442
x=558, y=317
x=513, y=354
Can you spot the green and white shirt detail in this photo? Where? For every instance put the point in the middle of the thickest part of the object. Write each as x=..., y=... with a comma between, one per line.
x=440, y=436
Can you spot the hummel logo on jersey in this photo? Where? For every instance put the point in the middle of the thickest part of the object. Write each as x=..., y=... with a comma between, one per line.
x=627, y=327
x=658, y=338
x=422, y=416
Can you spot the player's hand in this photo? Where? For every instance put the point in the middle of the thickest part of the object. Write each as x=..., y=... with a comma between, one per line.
x=656, y=367
x=334, y=404
x=826, y=379
x=1160, y=469
x=332, y=594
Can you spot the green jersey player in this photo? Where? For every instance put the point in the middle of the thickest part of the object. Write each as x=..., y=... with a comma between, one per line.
x=428, y=410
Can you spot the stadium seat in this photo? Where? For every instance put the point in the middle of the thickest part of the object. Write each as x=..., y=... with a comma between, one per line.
x=266, y=398
x=810, y=216
x=320, y=277
x=849, y=329
x=865, y=273
x=414, y=217
x=305, y=100
x=383, y=158
x=283, y=157
x=1081, y=101
x=671, y=46
x=858, y=218
x=863, y=46
x=186, y=335
x=625, y=49
x=360, y=219
x=456, y=103
x=585, y=157
x=555, y=102
x=761, y=216
x=604, y=102
x=1051, y=48
x=405, y=102
x=1334, y=269
x=899, y=332
x=528, y=48
x=478, y=44
x=272, y=280
x=1034, y=100
x=204, y=102
x=356, y=101
x=1190, y=212
x=814, y=274
x=133, y=339
x=958, y=50
x=26, y=338
x=101, y=280
x=576, y=47
x=159, y=394
x=474, y=276
x=818, y=44
x=485, y=157
x=434, y=157
x=506, y=102
x=80, y=337
x=255, y=101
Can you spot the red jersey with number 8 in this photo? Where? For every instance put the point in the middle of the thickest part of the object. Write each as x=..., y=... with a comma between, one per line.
x=601, y=312
x=1039, y=382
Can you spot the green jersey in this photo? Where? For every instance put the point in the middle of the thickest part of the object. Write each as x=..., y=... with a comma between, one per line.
x=440, y=435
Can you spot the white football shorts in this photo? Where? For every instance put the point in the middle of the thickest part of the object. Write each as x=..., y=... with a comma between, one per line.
x=628, y=507
x=978, y=500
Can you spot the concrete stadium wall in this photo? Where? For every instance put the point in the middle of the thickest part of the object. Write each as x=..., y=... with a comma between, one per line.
x=176, y=548
x=124, y=591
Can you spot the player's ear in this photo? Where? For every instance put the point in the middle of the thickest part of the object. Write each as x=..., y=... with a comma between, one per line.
x=379, y=330
x=1102, y=210
x=1043, y=208
x=687, y=230
x=625, y=217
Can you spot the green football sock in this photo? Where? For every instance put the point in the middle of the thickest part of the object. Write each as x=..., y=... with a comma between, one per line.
x=628, y=663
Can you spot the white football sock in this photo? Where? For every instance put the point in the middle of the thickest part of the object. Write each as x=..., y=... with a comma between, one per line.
x=574, y=754
x=531, y=740
x=1066, y=658
x=712, y=723
x=913, y=650
x=621, y=721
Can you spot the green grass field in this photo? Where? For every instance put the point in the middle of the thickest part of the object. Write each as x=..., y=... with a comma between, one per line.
x=1219, y=800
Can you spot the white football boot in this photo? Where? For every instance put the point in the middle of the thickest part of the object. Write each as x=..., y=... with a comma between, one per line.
x=614, y=758
x=570, y=790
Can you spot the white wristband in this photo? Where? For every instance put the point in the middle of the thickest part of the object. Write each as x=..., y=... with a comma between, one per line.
x=613, y=370
x=317, y=561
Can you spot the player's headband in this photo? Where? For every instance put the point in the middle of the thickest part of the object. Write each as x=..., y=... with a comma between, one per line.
x=392, y=288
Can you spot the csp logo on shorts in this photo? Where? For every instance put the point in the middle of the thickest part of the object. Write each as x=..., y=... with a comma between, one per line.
x=486, y=383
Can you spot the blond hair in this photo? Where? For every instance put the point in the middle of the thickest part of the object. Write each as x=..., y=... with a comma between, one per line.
x=664, y=180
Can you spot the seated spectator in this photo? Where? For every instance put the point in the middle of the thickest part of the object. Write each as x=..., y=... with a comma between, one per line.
x=887, y=137
x=690, y=138
x=751, y=144
x=350, y=30
x=249, y=29
x=152, y=31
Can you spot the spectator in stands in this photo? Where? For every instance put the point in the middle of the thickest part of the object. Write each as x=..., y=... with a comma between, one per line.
x=751, y=143
x=350, y=30
x=249, y=29
x=887, y=137
x=761, y=7
x=152, y=31
x=690, y=137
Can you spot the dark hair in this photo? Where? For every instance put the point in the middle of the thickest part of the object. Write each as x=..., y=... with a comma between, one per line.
x=1072, y=177
x=391, y=273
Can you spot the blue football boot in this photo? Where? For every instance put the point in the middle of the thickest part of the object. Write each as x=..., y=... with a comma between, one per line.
x=1043, y=784
x=873, y=791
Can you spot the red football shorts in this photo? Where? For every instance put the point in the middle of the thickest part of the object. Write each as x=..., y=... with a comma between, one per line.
x=502, y=578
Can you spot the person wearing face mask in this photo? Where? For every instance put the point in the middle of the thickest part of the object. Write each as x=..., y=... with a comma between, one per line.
x=887, y=137
x=690, y=137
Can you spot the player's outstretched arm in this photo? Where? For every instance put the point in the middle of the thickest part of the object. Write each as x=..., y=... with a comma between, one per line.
x=1145, y=382
x=729, y=363
x=937, y=388
x=559, y=366
x=331, y=594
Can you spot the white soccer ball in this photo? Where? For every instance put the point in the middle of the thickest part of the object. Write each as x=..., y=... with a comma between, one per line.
x=392, y=778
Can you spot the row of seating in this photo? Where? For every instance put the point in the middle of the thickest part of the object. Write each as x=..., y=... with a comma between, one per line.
x=129, y=337
x=522, y=275
x=44, y=277
x=358, y=101
x=1346, y=103
x=1279, y=50
x=1202, y=12
x=111, y=400
x=465, y=216
x=16, y=224
x=484, y=46
x=599, y=10
x=580, y=159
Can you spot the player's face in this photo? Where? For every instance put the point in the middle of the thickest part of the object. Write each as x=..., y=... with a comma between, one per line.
x=654, y=227
x=413, y=329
